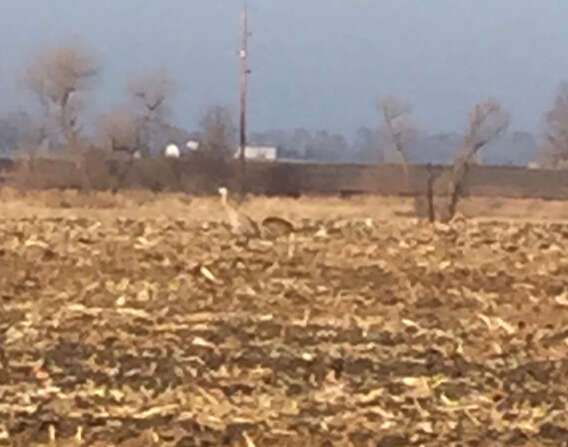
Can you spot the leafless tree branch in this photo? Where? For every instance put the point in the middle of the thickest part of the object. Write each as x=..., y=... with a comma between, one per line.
x=396, y=117
x=119, y=131
x=57, y=76
x=487, y=121
x=218, y=132
x=556, y=134
x=401, y=131
x=151, y=92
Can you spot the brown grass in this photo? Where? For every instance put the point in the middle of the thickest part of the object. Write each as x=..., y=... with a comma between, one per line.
x=143, y=204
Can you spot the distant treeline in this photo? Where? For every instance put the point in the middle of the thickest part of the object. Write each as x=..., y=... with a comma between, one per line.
x=374, y=146
x=198, y=175
x=368, y=145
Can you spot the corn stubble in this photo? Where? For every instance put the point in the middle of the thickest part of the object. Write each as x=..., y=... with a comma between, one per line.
x=343, y=332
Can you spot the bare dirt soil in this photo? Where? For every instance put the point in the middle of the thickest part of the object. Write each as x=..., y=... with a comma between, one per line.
x=146, y=325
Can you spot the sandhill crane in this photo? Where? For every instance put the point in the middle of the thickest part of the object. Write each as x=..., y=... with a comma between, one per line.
x=240, y=223
x=276, y=226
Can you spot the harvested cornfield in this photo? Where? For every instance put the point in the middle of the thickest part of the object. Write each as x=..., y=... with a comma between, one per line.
x=132, y=331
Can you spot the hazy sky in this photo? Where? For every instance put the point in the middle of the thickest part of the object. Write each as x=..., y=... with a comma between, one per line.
x=316, y=63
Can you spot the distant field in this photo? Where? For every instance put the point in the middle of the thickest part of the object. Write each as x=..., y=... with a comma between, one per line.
x=127, y=320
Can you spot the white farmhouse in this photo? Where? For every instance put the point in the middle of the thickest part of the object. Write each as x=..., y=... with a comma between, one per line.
x=268, y=153
x=192, y=145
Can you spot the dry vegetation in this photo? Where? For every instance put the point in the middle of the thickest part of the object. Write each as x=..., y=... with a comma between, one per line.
x=137, y=319
x=142, y=203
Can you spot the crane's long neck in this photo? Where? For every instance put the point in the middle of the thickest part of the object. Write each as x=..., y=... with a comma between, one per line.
x=224, y=200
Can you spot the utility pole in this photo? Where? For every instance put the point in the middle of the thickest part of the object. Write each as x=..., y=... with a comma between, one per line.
x=244, y=72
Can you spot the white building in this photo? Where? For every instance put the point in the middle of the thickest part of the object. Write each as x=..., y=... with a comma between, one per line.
x=172, y=151
x=192, y=145
x=269, y=153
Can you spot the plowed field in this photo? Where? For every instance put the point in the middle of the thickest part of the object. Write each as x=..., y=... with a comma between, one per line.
x=351, y=332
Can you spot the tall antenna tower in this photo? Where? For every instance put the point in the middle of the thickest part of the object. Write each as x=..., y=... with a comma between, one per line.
x=244, y=72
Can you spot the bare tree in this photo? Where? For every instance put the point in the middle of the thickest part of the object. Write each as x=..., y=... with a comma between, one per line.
x=401, y=132
x=555, y=148
x=58, y=76
x=219, y=134
x=487, y=121
x=119, y=131
x=151, y=93
x=396, y=115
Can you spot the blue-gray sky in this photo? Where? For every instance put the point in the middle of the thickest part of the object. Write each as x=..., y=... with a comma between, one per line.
x=316, y=63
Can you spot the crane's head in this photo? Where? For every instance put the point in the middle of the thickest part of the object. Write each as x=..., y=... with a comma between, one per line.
x=223, y=191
